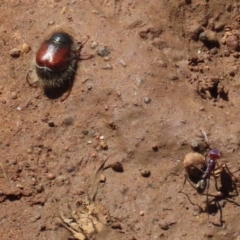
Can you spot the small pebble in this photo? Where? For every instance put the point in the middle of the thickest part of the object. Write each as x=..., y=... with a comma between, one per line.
x=155, y=148
x=116, y=226
x=70, y=169
x=103, y=51
x=51, y=124
x=15, y=53
x=39, y=188
x=141, y=213
x=68, y=121
x=209, y=36
x=13, y=95
x=117, y=167
x=26, y=48
x=108, y=67
x=51, y=23
x=164, y=226
x=51, y=176
x=195, y=145
x=232, y=43
x=112, y=125
x=147, y=100
x=102, y=178
x=145, y=173
x=103, y=145
x=122, y=63
x=29, y=151
x=106, y=59
x=139, y=81
x=85, y=132
x=94, y=45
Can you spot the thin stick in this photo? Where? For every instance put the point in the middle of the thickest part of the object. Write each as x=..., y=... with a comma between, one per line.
x=205, y=135
x=4, y=173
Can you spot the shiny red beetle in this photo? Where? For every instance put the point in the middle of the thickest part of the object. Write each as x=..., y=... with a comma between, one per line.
x=56, y=61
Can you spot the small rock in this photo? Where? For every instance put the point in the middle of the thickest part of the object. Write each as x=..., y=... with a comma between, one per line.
x=68, y=121
x=164, y=226
x=232, y=73
x=122, y=63
x=141, y=213
x=196, y=210
x=39, y=188
x=108, y=67
x=103, y=51
x=147, y=100
x=26, y=48
x=117, y=167
x=51, y=124
x=94, y=45
x=15, y=53
x=106, y=59
x=232, y=43
x=155, y=148
x=209, y=37
x=102, y=178
x=145, y=173
x=214, y=51
x=194, y=31
x=51, y=23
x=195, y=145
x=103, y=145
x=139, y=81
x=70, y=169
x=116, y=226
x=51, y=176
x=85, y=132
x=112, y=125
x=13, y=95
x=219, y=27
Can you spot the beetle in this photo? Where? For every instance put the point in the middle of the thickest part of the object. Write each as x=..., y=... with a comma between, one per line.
x=56, y=61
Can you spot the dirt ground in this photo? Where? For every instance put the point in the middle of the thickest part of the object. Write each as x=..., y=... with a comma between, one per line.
x=163, y=82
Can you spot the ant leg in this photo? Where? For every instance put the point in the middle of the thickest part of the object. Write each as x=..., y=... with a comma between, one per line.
x=83, y=43
x=30, y=84
x=83, y=56
x=194, y=204
x=187, y=179
x=208, y=184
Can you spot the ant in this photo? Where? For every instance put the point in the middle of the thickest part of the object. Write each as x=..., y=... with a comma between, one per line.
x=228, y=181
